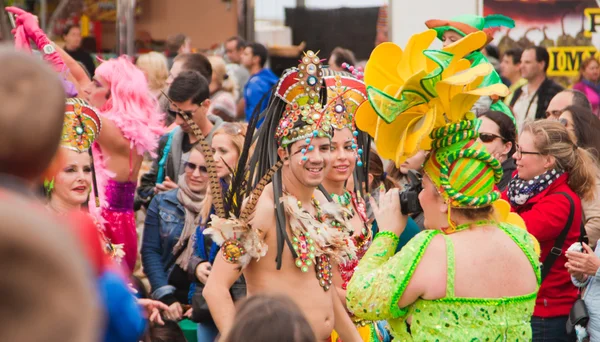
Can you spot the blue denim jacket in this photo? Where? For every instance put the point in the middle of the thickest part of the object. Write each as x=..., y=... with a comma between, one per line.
x=164, y=223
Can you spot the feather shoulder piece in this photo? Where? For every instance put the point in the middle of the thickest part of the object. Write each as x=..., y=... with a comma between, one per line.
x=328, y=231
x=240, y=243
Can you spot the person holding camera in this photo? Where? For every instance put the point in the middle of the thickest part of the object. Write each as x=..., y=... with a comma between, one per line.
x=472, y=275
x=447, y=267
x=410, y=185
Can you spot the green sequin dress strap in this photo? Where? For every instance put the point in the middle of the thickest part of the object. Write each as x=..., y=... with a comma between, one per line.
x=524, y=240
x=450, y=267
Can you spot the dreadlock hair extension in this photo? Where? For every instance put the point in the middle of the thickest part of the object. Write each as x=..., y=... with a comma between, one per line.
x=265, y=156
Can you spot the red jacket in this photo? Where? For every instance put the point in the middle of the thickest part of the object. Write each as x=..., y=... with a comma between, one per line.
x=545, y=216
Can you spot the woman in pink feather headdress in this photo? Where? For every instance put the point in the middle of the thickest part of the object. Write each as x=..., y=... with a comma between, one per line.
x=131, y=126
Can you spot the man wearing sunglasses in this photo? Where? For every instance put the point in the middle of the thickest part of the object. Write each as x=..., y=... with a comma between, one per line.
x=188, y=94
x=186, y=61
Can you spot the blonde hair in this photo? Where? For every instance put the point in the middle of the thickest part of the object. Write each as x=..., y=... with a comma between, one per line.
x=225, y=81
x=154, y=65
x=236, y=132
x=553, y=139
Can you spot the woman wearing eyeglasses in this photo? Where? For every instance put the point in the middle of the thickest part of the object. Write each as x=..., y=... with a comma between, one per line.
x=550, y=169
x=497, y=132
x=171, y=220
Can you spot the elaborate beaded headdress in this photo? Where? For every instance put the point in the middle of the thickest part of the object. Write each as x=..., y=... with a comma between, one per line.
x=344, y=95
x=300, y=89
x=81, y=125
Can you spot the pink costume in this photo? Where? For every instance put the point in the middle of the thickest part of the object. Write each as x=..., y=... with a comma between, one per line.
x=592, y=92
x=135, y=112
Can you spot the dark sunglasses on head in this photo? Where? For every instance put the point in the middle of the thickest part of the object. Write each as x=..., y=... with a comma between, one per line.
x=489, y=137
x=191, y=167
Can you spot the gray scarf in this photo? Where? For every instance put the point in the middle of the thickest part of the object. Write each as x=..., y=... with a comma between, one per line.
x=192, y=202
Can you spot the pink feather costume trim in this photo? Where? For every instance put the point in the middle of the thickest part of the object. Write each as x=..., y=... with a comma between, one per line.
x=135, y=112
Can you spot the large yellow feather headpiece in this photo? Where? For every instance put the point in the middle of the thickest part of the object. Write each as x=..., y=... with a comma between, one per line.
x=422, y=99
x=413, y=91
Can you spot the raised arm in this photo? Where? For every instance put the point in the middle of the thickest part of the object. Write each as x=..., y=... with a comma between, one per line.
x=76, y=70
x=111, y=138
x=53, y=54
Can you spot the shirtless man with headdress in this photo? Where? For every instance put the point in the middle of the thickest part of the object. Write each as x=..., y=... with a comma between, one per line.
x=293, y=149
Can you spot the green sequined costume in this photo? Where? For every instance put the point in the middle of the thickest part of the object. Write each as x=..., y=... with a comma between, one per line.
x=382, y=277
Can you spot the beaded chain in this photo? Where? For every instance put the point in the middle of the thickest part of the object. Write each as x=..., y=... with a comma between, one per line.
x=303, y=244
x=345, y=201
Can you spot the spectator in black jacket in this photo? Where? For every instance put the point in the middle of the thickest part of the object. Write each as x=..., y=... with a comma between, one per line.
x=72, y=38
x=531, y=100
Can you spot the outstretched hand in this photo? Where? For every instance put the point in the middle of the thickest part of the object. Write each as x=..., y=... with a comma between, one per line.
x=387, y=212
x=153, y=309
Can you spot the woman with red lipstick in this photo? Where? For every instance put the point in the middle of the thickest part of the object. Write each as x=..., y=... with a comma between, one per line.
x=71, y=184
x=70, y=188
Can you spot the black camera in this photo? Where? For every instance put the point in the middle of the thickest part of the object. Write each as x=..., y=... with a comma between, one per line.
x=409, y=198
